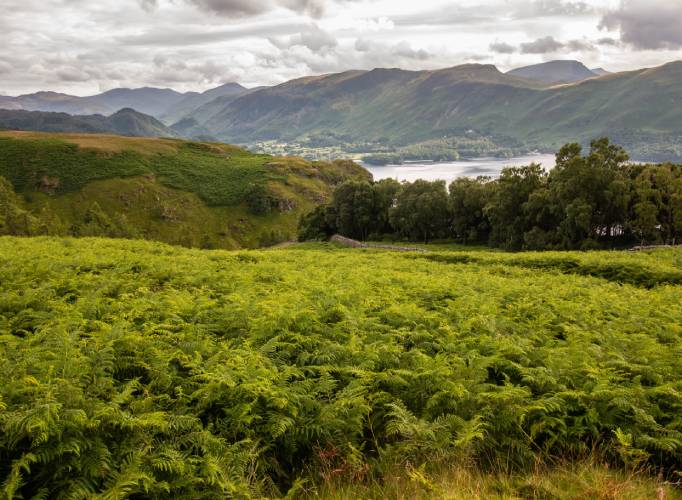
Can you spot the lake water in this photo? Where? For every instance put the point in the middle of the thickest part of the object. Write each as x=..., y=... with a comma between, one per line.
x=451, y=170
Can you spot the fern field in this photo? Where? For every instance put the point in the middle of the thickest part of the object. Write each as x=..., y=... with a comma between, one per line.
x=133, y=369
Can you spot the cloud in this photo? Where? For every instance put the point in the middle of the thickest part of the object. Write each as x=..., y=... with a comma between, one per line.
x=148, y=5
x=607, y=41
x=316, y=39
x=580, y=46
x=541, y=46
x=502, y=48
x=311, y=37
x=404, y=49
x=647, y=24
x=244, y=8
x=73, y=75
x=553, y=8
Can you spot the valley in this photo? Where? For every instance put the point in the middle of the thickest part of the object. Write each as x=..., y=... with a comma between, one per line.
x=476, y=110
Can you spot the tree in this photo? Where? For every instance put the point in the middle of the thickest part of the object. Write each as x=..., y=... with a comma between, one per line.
x=507, y=210
x=353, y=205
x=467, y=201
x=421, y=211
x=592, y=192
x=385, y=198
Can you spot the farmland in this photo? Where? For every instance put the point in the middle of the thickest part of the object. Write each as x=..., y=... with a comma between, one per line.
x=137, y=369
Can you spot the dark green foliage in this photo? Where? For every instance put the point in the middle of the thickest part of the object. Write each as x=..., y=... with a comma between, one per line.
x=135, y=369
x=421, y=211
x=30, y=164
x=14, y=220
x=468, y=199
x=259, y=200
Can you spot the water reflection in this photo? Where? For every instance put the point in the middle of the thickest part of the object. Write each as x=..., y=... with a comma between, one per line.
x=451, y=170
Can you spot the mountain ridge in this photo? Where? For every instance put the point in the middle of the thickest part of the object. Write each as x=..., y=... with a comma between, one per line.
x=126, y=121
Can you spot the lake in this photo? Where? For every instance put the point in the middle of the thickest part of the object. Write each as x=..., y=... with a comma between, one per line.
x=449, y=171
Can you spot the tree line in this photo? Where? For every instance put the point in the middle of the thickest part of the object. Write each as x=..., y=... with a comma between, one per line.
x=593, y=200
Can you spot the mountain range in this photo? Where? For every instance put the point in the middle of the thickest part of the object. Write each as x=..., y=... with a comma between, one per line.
x=164, y=104
x=536, y=107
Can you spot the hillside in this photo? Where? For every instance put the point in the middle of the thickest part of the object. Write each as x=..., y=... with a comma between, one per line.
x=554, y=72
x=188, y=193
x=124, y=122
x=135, y=369
x=640, y=109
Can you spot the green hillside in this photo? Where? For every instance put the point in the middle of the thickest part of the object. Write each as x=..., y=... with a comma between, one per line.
x=189, y=193
x=133, y=369
x=642, y=109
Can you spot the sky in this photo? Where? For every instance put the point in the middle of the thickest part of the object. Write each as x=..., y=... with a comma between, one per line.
x=84, y=47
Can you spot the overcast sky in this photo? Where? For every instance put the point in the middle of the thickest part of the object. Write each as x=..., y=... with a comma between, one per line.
x=88, y=46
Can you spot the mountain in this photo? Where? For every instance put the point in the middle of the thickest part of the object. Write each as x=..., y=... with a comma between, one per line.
x=554, y=72
x=148, y=100
x=55, y=102
x=191, y=128
x=375, y=104
x=193, y=100
x=164, y=104
x=124, y=122
x=179, y=192
x=642, y=110
x=600, y=71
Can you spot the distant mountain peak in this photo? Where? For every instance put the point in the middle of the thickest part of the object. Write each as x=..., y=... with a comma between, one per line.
x=553, y=72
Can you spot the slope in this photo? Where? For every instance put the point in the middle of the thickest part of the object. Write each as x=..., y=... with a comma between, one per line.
x=194, y=194
x=135, y=369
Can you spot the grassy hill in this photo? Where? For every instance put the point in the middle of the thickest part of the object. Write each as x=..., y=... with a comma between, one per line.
x=189, y=193
x=136, y=369
x=640, y=109
x=124, y=122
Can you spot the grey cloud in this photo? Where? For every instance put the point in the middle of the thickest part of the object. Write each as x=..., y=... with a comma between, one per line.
x=73, y=75
x=502, y=48
x=580, y=46
x=316, y=39
x=185, y=37
x=148, y=5
x=553, y=8
x=404, y=49
x=242, y=8
x=607, y=41
x=311, y=37
x=235, y=8
x=647, y=24
x=541, y=46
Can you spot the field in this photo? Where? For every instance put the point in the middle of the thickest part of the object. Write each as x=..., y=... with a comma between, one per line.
x=136, y=369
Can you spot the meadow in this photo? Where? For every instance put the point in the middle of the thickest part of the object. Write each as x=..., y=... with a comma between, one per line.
x=133, y=369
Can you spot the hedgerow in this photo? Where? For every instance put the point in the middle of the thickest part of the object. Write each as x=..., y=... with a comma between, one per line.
x=135, y=369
